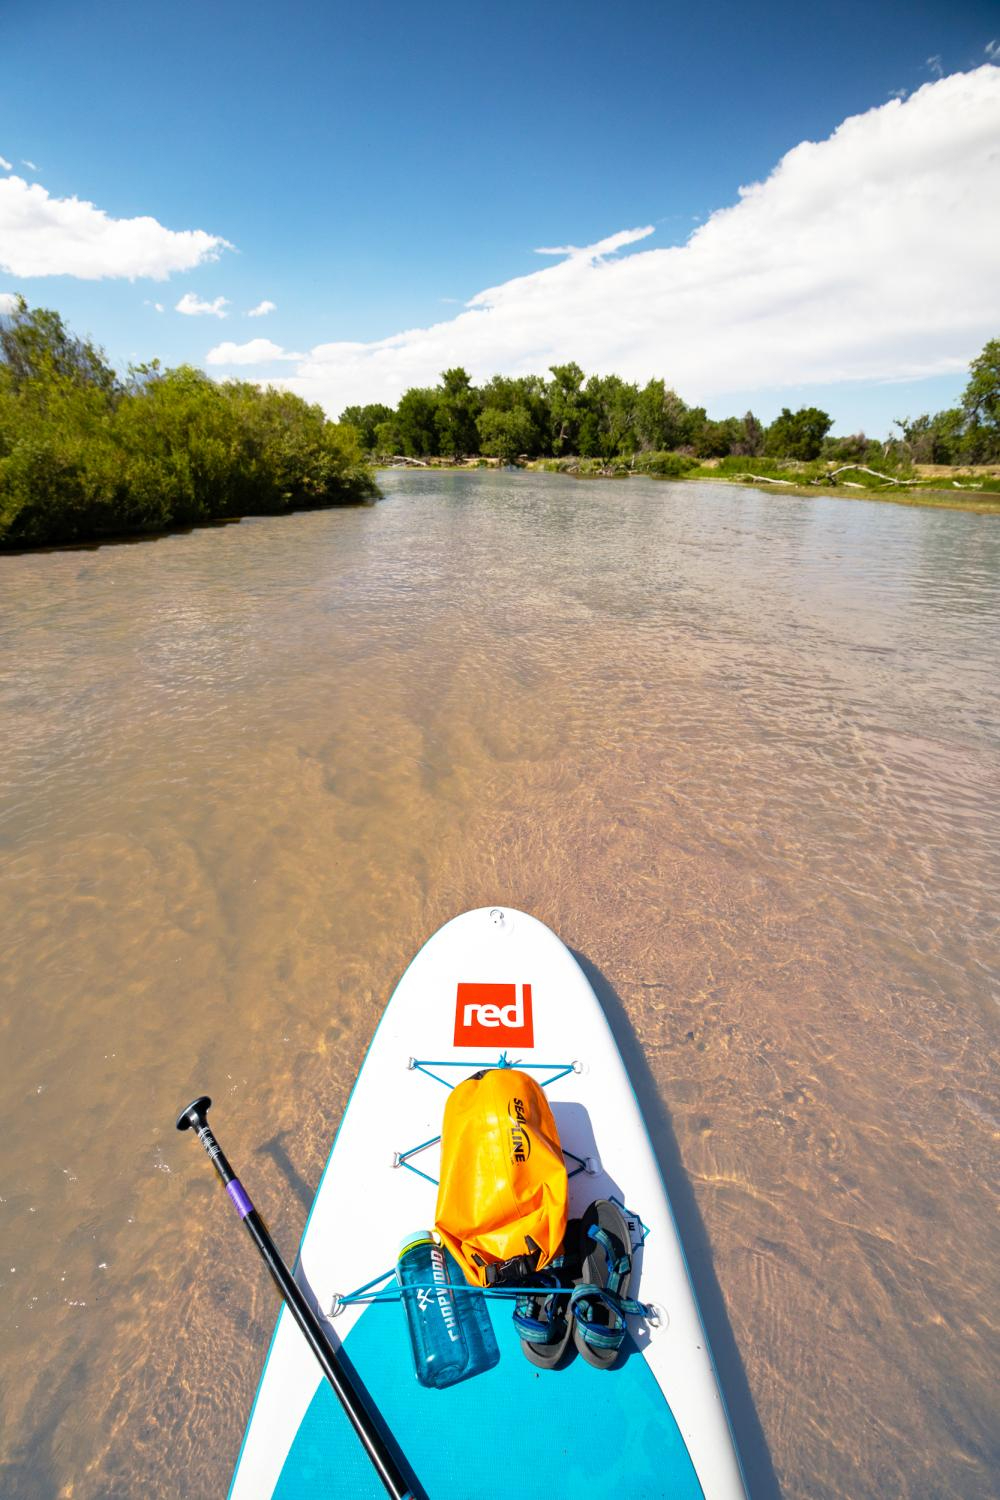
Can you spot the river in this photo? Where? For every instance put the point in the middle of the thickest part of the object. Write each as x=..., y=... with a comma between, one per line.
x=739, y=750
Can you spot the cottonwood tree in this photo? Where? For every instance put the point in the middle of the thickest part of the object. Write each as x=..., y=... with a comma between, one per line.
x=660, y=416
x=505, y=434
x=981, y=405
x=798, y=434
x=458, y=406
x=567, y=408
x=365, y=420
x=524, y=393
x=416, y=422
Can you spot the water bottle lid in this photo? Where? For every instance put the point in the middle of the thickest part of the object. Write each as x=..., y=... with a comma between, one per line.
x=415, y=1237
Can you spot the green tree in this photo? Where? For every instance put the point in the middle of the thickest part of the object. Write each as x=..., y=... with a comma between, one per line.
x=387, y=438
x=458, y=406
x=854, y=448
x=567, y=407
x=623, y=402
x=659, y=417
x=505, y=434
x=750, y=442
x=797, y=434
x=589, y=442
x=36, y=344
x=718, y=439
x=981, y=406
x=365, y=419
x=613, y=403
x=526, y=393
x=416, y=422
x=692, y=422
x=934, y=439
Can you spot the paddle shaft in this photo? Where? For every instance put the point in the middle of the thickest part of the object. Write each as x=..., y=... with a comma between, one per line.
x=385, y=1464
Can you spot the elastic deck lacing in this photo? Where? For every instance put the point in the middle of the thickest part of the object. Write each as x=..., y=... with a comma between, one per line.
x=393, y=1292
x=424, y=1065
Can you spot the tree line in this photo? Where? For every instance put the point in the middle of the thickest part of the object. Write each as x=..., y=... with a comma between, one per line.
x=84, y=453
x=603, y=416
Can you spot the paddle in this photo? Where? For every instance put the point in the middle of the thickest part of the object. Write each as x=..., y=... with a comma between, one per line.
x=194, y=1117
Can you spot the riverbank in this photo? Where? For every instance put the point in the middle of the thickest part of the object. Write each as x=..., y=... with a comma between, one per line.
x=942, y=486
x=934, y=486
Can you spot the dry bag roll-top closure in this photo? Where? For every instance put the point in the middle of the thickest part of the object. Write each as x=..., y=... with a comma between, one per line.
x=501, y=1206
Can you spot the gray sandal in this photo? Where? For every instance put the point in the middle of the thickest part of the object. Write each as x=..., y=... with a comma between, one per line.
x=600, y=1302
x=543, y=1318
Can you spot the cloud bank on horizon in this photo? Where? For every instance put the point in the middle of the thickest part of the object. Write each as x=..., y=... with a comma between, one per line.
x=871, y=255
x=868, y=256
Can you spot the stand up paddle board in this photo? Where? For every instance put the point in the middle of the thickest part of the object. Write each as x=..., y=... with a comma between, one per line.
x=493, y=986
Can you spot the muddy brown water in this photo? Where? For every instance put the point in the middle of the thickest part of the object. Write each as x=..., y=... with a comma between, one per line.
x=741, y=752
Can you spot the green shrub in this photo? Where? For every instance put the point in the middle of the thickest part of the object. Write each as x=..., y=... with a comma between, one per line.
x=664, y=465
x=742, y=465
x=82, y=455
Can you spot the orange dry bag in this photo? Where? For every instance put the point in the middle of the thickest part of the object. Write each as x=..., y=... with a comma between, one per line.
x=502, y=1194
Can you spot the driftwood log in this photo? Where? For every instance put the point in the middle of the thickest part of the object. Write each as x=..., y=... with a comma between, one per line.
x=863, y=469
x=831, y=477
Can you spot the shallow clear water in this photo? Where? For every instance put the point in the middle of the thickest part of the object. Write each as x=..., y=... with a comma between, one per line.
x=741, y=752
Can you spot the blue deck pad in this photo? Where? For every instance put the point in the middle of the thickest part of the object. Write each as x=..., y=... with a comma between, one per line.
x=539, y=1434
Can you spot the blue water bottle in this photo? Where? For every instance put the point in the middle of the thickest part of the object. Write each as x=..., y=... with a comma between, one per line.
x=474, y=1317
x=450, y=1331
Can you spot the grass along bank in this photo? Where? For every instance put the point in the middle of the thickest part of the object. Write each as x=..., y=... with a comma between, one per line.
x=948, y=487
x=952, y=487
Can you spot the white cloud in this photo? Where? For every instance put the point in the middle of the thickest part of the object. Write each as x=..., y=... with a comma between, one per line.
x=157, y=306
x=9, y=166
x=256, y=352
x=31, y=166
x=992, y=50
x=262, y=309
x=44, y=236
x=602, y=248
x=193, y=306
x=867, y=256
x=934, y=64
x=8, y=302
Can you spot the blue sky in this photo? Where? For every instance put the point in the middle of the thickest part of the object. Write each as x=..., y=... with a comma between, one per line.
x=375, y=168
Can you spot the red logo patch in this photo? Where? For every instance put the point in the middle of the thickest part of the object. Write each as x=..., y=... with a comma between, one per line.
x=490, y=1015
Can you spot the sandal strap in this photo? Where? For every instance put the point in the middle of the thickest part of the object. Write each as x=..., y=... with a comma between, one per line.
x=536, y=1330
x=586, y=1294
x=618, y=1265
x=540, y=1319
x=603, y=1335
x=598, y=1335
